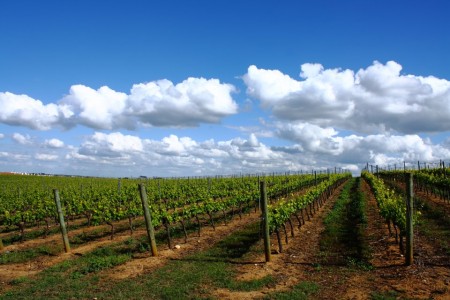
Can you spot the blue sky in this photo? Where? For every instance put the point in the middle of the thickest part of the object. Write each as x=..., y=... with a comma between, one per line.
x=179, y=88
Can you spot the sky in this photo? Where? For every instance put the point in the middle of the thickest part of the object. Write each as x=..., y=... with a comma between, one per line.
x=198, y=88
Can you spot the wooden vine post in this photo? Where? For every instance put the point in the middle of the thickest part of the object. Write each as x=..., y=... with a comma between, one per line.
x=148, y=220
x=265, y=220
x=1, y=244
x=62, y=224
x=409, y=259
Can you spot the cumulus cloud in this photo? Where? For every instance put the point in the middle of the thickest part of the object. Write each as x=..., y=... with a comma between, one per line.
x=176, y=146
x=46, y=157
x=14, y=156
x=193, y=101
x=54, y=143
x=311, y=137
x=22, y=110
x=326, y=144
x=99, y=109
x=313, y=147
x=175, y=154
x=324, y=118
x=372, y=100
x=114, y=144
x=21, y=139
x=156, y=103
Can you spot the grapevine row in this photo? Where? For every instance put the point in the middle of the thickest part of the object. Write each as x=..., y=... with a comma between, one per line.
x=27, y=200
x=428, y=181
x=282, y=211
x=391, y=204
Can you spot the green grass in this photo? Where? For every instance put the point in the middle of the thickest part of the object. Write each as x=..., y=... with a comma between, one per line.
x=21, y=256
x=100, y=259
x=69, y=278
x=140, y=245
x=301, y=291
x=193, y=277
x=343, y=239
x=434, y=223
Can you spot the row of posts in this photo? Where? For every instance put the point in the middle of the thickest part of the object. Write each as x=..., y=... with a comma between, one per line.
x=419, y=168
x=147, y=216
x=409, y=259
x=264, y=220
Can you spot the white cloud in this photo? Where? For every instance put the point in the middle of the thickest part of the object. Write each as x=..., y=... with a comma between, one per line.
x=21, y=139
x=22, y=110
x=157, y=103
x=311, y=137
x=372, y=100
x=46, y=157
x=54, y=143
x=115, y=144
x=14, y=156
x=314, y=147
x=326, y=144
x=174, y=155
x=269, y=85
x=177, y=146
x=193, y=101
x=326, y=118
x=99, y=109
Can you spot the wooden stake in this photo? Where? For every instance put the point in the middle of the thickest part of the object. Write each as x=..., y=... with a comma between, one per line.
x=62, y=224
x=265, y=220
x=148, y=220
x=409, y=259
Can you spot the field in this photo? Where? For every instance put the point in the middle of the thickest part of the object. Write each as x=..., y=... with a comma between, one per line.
x=331, y=237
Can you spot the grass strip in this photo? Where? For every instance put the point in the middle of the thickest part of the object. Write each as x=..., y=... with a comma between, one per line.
x=194, y=277
x=433, y=222
x=343, y=239
x=301, y=291
x=11, y=257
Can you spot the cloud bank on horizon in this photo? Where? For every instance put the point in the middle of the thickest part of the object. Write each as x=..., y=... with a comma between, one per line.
x=372, y=100
x=157, y=103
x=327, y=117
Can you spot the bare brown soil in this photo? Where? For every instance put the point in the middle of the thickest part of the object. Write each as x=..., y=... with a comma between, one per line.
x=9, y=272
x=289, y=267
x=194, y=243
x=209, y=237
x=55, y=237
x=142, y=263
x=301, y=262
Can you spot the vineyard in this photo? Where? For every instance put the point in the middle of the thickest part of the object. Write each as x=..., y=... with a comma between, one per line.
x=319, y=235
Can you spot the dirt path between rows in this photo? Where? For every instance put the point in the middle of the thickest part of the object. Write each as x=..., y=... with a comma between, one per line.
x=289, y=267
x=208, y=237
x=419, y=281
x=56, y=238
x=301, y=262
x=10, y=272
